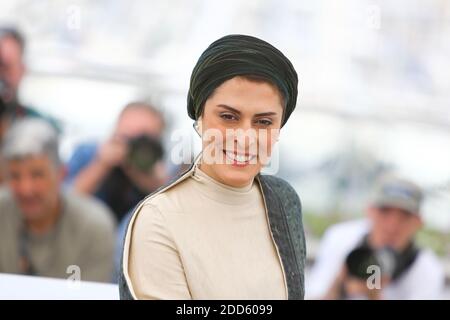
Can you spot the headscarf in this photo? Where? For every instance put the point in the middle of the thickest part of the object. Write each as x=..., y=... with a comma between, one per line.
x=241, y=55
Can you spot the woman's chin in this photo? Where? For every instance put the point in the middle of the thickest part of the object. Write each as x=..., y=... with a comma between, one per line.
x=238, y=176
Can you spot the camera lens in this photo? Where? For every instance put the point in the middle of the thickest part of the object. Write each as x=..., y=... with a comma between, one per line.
x=144, y=152
x=360, y=259
x=2, y=106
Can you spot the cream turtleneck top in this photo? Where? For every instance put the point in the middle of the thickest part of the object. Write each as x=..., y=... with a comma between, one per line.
x=202, y=239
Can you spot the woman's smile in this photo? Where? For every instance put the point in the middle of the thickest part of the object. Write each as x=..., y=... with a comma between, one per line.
x=239, y=159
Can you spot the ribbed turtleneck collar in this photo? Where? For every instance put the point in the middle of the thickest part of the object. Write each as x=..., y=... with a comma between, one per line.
x=223, y=193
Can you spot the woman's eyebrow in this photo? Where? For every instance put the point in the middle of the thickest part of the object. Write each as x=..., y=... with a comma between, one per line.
x=265, y=114
x=239, y=112
x=229, y=108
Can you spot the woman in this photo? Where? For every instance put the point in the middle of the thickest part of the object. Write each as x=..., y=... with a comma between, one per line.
x=221, y=230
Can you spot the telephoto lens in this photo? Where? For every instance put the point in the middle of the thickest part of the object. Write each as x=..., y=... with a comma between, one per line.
x=144, y=152
x=7, y=101
x=3, y=90
x=360, y=261
x=2, y=107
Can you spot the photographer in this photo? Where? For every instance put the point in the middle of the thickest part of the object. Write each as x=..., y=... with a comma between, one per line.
x=377, y=258
x=12, y=68
x=128, y=166
x=12, y=72
x=2, y=118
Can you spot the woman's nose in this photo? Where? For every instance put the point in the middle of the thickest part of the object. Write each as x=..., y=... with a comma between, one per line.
x=245, y=138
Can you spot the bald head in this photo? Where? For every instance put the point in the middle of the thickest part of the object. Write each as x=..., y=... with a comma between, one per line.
x=139, y=118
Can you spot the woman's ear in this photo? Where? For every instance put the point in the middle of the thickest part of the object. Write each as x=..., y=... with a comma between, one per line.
x=198, y=126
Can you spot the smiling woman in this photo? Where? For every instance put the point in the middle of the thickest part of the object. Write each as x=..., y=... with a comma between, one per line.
x=222, y=230
x=247, y=129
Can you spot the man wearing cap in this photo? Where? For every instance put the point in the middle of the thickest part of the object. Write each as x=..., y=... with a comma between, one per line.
x=377, y=258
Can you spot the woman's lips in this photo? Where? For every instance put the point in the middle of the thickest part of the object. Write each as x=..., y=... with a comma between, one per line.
x=239, y=160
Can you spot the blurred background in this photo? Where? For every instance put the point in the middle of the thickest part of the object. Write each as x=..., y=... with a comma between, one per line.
x=374, y=91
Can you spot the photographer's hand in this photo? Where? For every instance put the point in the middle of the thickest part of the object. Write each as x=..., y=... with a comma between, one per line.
x=111, y=154
x=347, y=287
x=335, y=291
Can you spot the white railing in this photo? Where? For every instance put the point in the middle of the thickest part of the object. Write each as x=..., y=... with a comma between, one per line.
x=39, y=288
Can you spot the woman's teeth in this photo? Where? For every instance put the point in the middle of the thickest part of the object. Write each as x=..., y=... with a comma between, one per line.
x=239, y=157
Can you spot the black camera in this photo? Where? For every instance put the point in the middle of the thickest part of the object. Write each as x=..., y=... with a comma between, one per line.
x=3, y=91
x=7, y=102
x=361, y=260
x=2, y=107
x=143, y=152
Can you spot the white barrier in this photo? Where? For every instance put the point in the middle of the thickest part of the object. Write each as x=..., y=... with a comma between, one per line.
x=38, y=288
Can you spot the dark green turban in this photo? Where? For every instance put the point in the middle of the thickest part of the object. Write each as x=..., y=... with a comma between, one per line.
x=241, y=55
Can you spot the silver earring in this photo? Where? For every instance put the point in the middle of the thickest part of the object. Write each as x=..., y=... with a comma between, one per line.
x=197, y=128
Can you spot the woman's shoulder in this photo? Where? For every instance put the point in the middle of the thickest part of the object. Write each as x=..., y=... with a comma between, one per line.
x=280, y=186
x=167, y=199
x=147, y=219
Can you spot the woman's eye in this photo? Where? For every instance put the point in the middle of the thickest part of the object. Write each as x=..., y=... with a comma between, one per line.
x=227, y=116
x=264, y=122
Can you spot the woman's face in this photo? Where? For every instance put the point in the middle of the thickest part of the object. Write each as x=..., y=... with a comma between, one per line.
x=239, y=126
